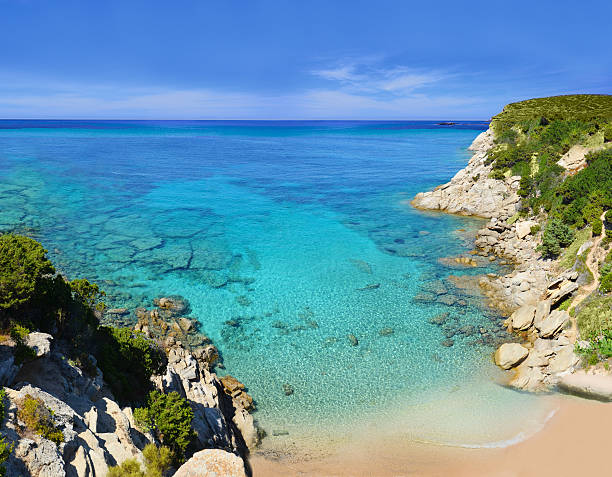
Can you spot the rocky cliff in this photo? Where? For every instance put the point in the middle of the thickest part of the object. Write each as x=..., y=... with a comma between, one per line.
x=96, y=431
x=533, y=292
x=471, y=191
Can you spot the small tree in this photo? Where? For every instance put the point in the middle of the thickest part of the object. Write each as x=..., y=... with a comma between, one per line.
x=169, y=417
x=556, y=236
x=23, y=269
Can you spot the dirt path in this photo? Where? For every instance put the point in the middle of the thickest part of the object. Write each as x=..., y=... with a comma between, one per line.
x=593, y=265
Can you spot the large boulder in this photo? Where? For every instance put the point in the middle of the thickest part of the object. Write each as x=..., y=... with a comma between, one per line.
x=212, y=463
x=522, y=318
x=591, y=386
x=542, y=311
x=510, y=355
x=40, y=343
x=553, y=323
x=524, y=228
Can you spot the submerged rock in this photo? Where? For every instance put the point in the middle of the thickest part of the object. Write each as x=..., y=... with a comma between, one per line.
x=288, y=389
x=385, y=331
x=352, y=339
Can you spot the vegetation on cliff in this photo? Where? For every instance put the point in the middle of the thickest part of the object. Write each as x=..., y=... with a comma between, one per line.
x=531, y=138
x=33, y=296
x=169, y=417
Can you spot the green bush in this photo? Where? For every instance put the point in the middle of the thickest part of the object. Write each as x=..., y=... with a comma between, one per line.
x=39, y=419
x=127, y=360
x=556, y=236
x=5, y=447
x=23, y=352
x=169, y=417
x=157, y=461
x=23, y=269
x=87, y=293
x=605, y=284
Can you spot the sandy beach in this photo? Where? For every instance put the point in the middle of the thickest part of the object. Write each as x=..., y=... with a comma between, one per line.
x=568, y=444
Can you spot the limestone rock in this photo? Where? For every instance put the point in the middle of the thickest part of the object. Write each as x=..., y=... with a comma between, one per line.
x=574, y=159
x=587, y=385
x=552, y=324
x=522, y=318
x=40, y=343
x=509, y=355
x=524, y=228
x=542, y=311
x=563, y=360
x=212, y=463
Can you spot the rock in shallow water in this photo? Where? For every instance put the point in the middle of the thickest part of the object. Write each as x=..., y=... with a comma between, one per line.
x=509, y=355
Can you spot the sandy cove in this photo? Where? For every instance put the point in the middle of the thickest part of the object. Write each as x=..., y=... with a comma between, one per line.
x=575, y=430
x=569, y=444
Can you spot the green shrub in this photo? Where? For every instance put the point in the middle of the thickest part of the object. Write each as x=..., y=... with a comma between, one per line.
x=23, y=352
x=605, y=285
x=38, y=418
x=169, y=417
x=87, y=293
x=535, y=229
x=23, y=269
x=556, y=236
x=157, y=461
x=128, y=360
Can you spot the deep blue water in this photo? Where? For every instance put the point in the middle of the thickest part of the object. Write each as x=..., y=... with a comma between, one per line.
x=296, y=233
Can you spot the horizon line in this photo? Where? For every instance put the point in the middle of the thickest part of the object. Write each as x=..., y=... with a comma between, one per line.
x=238, y=119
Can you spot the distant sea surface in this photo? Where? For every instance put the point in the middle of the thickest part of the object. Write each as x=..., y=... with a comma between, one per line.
x=300, y=257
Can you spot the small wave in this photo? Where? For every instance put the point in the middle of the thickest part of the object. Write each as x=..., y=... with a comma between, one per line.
x=517, y=439
x=131, y=173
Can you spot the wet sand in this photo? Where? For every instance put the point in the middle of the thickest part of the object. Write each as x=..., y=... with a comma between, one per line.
x=576, y=441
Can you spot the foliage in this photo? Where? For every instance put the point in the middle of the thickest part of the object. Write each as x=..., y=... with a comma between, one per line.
x=87, y=293
x=605, y=284
x=556, y=235
x=5, y=447
x=157, y=461
x=595, y=317
x=22, y=351
x=568, y=258
x=169, y=417
x=581, y=107
x=128, y=359
x=38, y=418
x=23, y=268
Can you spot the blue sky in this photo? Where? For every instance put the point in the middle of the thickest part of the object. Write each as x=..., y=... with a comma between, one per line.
x=329, y=59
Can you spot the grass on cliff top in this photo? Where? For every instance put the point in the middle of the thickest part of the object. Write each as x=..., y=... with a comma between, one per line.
x=581, y=107
x=595, y=318
x=568, y=258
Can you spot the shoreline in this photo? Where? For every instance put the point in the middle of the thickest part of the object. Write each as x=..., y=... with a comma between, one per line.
x=392, y=457
x=472, y=193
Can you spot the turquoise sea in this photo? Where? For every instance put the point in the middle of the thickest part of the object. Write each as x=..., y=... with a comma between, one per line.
x=286, y=238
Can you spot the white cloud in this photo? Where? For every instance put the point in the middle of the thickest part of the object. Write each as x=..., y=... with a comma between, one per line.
x=363, y=78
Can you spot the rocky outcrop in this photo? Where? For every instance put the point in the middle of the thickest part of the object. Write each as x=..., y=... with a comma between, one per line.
x=220, y=420
x=212, y=463
x=471, y=191
x=97, y=432
x=509, y=355
x=592, y=386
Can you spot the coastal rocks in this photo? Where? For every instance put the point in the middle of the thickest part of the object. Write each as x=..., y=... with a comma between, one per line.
x=212, y=463
x=524, y=228
x=221, y=406
x=553, y=323
x=591, y=386
x=40, y=343
x=510, y=355
x=522, y=318
x=471, y=191
x=563, y=291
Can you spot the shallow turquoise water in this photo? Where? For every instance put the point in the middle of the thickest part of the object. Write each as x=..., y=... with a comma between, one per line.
x=285, y=238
